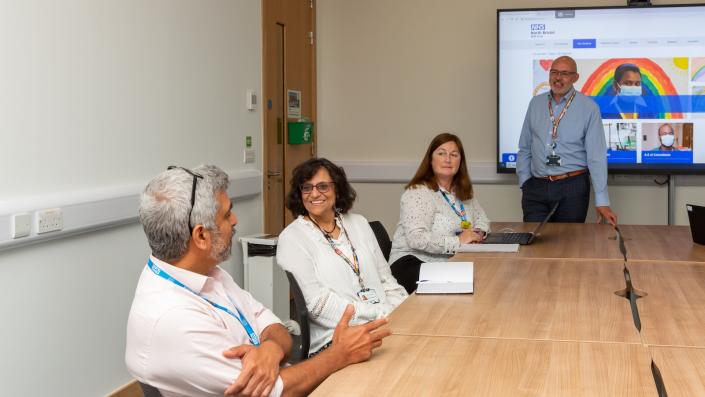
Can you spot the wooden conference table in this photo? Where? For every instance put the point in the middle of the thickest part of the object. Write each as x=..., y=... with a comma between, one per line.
x=546, y=321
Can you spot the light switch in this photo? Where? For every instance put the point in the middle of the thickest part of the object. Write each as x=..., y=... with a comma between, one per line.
x=249, y=156
x=251, y=100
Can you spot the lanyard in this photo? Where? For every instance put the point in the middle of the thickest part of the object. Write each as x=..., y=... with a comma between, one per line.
x=464, y=223
x=461, y=214
x=254, y=339
x=355, y=263
x=554, y=121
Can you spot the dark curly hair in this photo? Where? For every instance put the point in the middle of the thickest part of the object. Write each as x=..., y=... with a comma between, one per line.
x=344, y=193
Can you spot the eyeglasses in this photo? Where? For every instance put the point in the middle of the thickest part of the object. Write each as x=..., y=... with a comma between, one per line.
x=453, y=155
x=561, y=73
x=322, y=187
x=193, y=191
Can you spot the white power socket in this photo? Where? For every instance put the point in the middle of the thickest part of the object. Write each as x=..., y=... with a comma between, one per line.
x=49, y=220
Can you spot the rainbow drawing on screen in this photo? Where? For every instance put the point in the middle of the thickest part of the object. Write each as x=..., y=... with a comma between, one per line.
x=698, y=70
x=653, y=80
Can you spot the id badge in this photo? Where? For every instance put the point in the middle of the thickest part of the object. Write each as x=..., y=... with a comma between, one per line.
x=368, y=296
x=553, y=160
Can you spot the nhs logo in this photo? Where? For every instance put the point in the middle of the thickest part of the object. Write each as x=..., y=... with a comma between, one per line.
x=539, y=30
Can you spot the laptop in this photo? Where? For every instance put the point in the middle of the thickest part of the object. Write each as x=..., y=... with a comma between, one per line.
x=696, y=217
x=522, y=238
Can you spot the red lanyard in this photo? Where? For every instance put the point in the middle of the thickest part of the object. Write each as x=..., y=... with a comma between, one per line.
x=554, y=131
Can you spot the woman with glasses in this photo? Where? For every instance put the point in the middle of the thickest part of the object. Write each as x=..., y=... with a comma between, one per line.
x=332, y=253
x=438, y=212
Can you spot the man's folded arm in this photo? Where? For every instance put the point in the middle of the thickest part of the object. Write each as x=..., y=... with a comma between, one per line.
x=186, y=352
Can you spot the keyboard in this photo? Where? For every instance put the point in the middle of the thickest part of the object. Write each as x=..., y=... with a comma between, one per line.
x=508, y=238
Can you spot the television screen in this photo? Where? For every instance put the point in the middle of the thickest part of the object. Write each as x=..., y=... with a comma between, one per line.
x=644, y=67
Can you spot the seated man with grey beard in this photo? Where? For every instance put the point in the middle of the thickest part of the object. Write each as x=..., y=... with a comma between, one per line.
x=192, y=331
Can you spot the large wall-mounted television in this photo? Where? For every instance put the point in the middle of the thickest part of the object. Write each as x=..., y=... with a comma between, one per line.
x=666, y=44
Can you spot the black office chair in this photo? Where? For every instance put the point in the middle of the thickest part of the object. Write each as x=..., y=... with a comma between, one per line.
x=149, y=391
x=385, y=244
x=300, y=315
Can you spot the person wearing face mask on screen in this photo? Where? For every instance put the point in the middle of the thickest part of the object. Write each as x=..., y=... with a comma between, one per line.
x=626, y=87
x=667, y=137
x=627, y=80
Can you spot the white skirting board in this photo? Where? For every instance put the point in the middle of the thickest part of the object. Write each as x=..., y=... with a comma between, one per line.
x=91, y=210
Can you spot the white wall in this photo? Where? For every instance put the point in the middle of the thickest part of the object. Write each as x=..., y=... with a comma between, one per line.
x=394, y=73
x=98, y=94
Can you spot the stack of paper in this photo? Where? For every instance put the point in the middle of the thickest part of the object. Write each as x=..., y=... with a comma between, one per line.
x=488, y=248
x=445, y=278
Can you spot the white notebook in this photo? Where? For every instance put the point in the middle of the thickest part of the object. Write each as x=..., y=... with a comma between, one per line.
x=488, y=248
x=445, y=278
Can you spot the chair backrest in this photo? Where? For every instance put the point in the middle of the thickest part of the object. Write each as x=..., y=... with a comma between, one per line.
x=385, y=244
x=150, y=391
x=301, y=317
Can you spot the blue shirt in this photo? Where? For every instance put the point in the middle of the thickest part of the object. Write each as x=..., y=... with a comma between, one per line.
x=580, y=142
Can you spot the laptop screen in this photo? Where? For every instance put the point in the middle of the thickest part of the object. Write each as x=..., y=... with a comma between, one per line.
x=550, y=214
x=696, y=217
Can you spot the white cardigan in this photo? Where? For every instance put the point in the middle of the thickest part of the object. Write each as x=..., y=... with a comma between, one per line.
x=327, y=281
x=427, y=225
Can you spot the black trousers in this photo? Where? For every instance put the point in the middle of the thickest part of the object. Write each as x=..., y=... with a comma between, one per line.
x=540, y=195
x=406, y=271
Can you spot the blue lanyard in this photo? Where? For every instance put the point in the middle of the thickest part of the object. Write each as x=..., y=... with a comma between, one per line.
x=254, y=339
x=461, y=214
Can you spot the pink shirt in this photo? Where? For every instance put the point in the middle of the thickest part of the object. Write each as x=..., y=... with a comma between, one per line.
x=175, y=339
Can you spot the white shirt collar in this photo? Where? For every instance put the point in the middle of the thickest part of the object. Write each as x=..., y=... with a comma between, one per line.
x=193, y=280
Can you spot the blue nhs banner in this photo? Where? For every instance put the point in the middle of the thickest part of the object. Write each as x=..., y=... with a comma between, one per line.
x=621, y=156
x=660, y=157
x=509, y=160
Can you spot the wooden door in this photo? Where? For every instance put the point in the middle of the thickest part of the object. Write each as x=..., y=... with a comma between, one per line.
x=288, y=59
x=687, y=142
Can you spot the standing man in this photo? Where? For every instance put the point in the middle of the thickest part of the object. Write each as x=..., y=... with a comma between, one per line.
x=192, y=331
x=562, y=147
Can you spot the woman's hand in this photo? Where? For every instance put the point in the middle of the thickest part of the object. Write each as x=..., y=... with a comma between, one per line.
x=470, y=236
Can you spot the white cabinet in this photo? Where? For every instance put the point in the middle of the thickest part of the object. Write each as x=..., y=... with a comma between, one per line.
x=264, y=279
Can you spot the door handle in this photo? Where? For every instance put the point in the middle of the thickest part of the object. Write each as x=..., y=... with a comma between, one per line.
x=274, y=173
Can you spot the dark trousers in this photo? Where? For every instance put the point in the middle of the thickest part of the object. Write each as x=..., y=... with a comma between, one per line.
x=406, y=271
x=572, y=195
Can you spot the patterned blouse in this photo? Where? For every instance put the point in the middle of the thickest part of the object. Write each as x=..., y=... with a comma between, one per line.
x=428, y=225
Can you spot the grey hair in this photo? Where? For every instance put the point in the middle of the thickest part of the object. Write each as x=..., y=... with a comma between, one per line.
x=165, y=204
